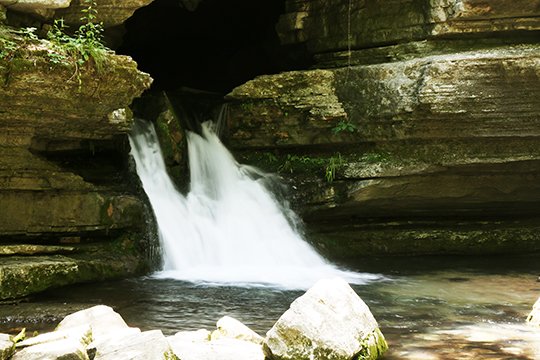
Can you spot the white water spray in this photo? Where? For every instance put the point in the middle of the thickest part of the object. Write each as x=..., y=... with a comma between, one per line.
x=229, y=229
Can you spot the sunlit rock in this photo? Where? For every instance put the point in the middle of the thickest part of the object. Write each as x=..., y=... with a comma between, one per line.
x=70, y=348
x=109, y=12
x=43, y=8
x=101, y=318
x=329, y=321
x=230, y=328
x=196, y=345
x=81, y=334
x=35, y=4
x=6, y=346
x=534, y=317
x=147, y=345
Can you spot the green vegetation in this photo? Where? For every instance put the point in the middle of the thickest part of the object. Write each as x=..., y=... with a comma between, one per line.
x=344, y=126
x=11, y=47
x=85, y=46
x=291, y=163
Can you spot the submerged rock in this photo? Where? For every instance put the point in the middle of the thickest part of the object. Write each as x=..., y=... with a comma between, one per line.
x=328, y=322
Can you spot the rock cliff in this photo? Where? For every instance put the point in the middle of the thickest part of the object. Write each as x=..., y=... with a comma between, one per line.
x=417, y=132
x=66, y=213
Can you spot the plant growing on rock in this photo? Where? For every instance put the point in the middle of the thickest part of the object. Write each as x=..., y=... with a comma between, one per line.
x=85, y=46
x=344, y=126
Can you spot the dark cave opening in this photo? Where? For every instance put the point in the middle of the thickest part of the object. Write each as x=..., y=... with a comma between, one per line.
x=215, y=47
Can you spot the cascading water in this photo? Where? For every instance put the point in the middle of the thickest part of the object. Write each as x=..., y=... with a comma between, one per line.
x=229, y=229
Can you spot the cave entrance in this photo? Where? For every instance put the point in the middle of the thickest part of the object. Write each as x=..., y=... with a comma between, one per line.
x=210, y=45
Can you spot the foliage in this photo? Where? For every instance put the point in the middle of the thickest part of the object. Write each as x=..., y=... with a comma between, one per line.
x=344, y=126
x=85, y=46
x=11, y=47
x=333, y=163
x=330, y=165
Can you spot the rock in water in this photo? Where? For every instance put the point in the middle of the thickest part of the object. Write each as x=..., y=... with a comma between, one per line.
x=328, y=322
x=534, y=317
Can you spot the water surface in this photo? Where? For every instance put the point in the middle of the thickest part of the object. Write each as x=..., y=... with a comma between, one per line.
x=428, y=308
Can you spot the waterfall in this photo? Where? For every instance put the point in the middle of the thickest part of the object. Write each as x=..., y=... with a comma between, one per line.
x=229, y=228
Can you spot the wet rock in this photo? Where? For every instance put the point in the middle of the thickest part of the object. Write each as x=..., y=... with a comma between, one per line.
x=21, y=276
x=329, y=321
x=7, y=347
x=230, y=328
x=534, y=317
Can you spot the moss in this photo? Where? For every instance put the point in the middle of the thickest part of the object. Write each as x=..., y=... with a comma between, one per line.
x=373, y=346
x=407, y=239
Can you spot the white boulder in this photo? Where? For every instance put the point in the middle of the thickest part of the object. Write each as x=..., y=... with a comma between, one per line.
x=230, y=328
x=65, y=349
x=328, y=322
x=6, y=346
x=81, y=334
x=147, y=345
x=534, y=316
x=195, y=346
x=101, y=318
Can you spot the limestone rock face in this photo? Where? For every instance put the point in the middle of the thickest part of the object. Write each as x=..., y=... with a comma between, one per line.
x=43, y=8
x=328, y=322
x=56, y=120
x=417, y=131
x=110, y=12
x=368, y=24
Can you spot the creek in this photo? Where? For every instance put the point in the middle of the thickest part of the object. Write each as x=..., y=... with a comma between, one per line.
x=427, y=308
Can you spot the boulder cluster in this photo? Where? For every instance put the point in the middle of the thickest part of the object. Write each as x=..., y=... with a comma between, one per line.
x=330, y=321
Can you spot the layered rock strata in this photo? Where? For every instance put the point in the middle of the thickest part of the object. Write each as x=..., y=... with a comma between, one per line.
x=66, y=215
x=109, y=12
x=418, y=134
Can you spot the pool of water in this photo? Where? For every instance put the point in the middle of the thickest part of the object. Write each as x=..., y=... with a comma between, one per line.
x=428, y=308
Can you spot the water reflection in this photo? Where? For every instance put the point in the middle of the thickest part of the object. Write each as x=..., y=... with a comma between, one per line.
x=472, y=308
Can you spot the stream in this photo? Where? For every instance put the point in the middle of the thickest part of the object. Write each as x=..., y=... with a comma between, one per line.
x=427, y=308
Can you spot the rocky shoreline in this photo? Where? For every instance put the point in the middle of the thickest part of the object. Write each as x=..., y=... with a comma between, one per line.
x=329, y=321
